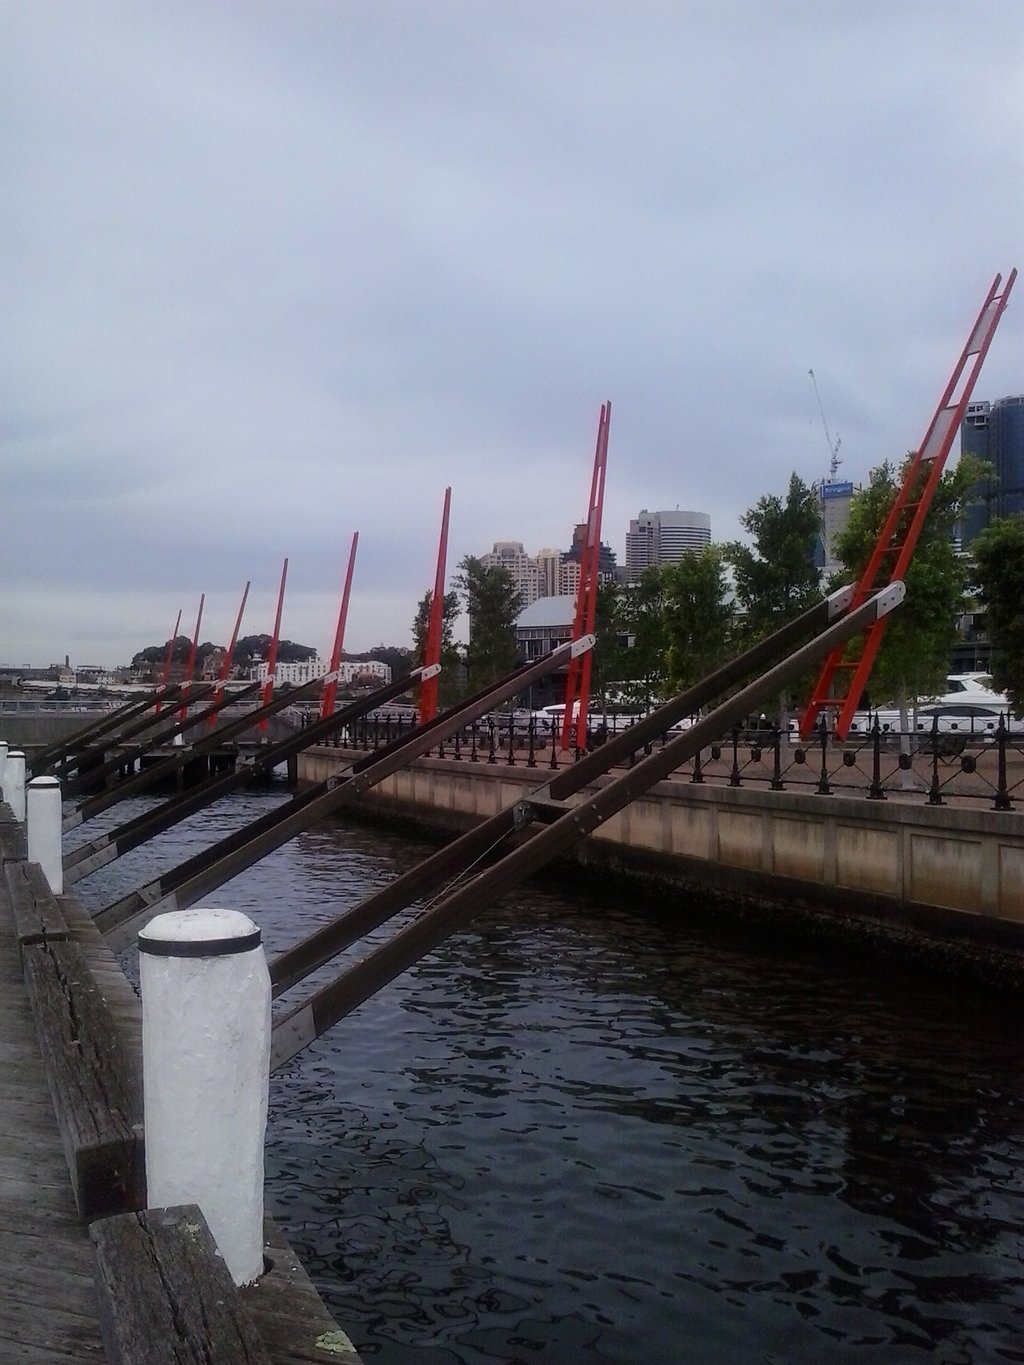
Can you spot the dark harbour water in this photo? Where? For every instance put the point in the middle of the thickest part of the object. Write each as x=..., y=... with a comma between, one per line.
x=586, y=1130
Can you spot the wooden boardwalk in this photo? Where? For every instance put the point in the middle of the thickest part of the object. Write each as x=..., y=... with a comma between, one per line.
x=87, y=1273
x=48, y=1305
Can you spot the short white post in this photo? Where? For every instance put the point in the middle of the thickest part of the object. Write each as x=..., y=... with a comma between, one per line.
x=43, y=820
x=14, y=783
x=4, y=746
x=206, y=1069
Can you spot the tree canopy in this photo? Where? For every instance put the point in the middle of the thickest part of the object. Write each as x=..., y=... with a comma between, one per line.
x=288, y=651
x=698, y=616
x=449, y=683
x=777, y=578
x=492, y=602
x=914, y=655
x=155, y=654
x=999, y=575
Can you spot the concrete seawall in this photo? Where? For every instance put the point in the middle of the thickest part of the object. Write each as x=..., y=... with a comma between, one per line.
x=955, y=873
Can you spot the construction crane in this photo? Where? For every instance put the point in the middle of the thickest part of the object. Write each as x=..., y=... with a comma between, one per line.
x=833, y=446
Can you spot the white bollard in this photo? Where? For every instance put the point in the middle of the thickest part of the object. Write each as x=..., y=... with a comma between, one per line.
x=14, y=783
x=43, y=821
x=206, y=1071
x=4, y=746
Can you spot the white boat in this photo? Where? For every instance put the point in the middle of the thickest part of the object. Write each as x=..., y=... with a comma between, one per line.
x=970, y=708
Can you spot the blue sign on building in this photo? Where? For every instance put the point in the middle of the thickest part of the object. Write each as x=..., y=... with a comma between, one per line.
x=836, y=490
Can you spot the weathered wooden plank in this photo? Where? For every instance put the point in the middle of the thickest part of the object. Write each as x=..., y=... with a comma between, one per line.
x=13, y=845
x=166, y=1297
x=288, y=1312
x=95, y=1090
x=53, y=1337
x=121, y=997
x=37, y=1256
x=36, y=913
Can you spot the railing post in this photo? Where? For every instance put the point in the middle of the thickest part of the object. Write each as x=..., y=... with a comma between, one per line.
x=43, y=830
x=4, y=746
x=734, y=776
x=14, y=783
x=876, y=792
x=935, y=790
x=511, y=760
x=777, y=782
x=1002, y=799
x=824, y=787
x=473, y=757
x=206, y=1069
x=531, y=755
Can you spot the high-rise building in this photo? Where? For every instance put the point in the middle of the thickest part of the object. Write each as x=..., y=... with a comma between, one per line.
x=663, y=538
x=523, y=569
x=605, y=557
x=835, y=499
x=994, y=432
x=549, y=563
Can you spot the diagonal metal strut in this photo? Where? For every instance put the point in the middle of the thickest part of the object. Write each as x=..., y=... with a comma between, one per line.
x=565, y=825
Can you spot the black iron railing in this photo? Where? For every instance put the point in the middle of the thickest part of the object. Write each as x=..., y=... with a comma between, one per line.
x=934, y=765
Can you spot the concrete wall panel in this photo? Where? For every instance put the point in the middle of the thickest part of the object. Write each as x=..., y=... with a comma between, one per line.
x=1011, y=881
x=740, y=839
x=868, y=859
x=946, y=872
x=690, y=831
x=797, y=849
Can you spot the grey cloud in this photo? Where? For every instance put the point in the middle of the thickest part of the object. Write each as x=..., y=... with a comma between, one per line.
x=276, y=273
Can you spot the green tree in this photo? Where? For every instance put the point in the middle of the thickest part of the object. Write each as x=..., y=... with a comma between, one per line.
x=914, y=655
x=449, y=684
x=611, y=662
x=154, y=654
x=642, y=619
x=777, y=579
x=288, y=652
x=999, y=575
x=492, y=602
x=698, y=616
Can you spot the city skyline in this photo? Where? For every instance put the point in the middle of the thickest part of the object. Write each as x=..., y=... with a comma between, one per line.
x=835, y=511
x=276, y=274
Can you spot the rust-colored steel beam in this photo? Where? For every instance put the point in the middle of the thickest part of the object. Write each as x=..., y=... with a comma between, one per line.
x=184, y=885
x=44, y=760
x=564, y=826
x=106, y=848
x=313, y=951
x=82, y=778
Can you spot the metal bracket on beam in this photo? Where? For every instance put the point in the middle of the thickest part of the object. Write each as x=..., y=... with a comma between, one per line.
x=888, y=599
x=545, y=810
x=840, y=600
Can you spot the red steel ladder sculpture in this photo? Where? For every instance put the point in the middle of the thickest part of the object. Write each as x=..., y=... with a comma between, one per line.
x=846, y=671
x=577, y=688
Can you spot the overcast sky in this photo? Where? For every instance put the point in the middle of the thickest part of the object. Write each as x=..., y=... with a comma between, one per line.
x=276, y=272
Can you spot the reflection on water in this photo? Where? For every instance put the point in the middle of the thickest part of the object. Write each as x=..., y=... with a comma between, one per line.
x=590, y=1131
